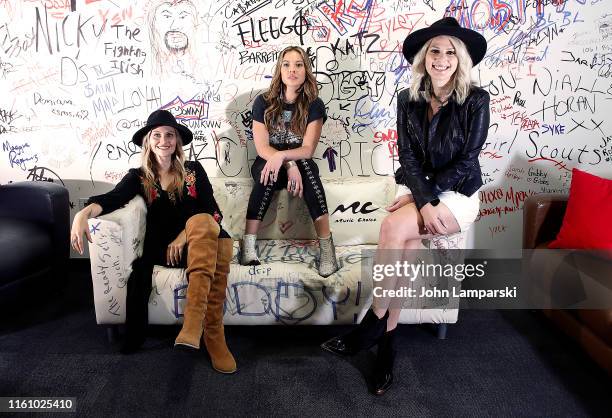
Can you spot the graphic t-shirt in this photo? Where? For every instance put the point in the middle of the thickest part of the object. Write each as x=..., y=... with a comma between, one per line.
x=284, y=139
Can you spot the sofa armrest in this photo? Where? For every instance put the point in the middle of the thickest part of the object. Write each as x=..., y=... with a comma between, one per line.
x=43, y=203
x=118, y=239
x=542, y=218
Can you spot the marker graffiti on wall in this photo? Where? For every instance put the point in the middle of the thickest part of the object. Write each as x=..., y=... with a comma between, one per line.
x=80, y=77
x=19, y=155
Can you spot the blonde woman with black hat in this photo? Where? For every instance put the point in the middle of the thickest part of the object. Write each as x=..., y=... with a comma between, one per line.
x=183, y=230
x=442, y=124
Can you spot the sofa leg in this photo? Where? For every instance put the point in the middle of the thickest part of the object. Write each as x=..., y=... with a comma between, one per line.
x=442, y=328
x=111, y=333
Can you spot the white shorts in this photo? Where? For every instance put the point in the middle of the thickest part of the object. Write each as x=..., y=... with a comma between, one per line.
x=464, y=208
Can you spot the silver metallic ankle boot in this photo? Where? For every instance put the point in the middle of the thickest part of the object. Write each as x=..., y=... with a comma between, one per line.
x=248, y=255
x=328, y=264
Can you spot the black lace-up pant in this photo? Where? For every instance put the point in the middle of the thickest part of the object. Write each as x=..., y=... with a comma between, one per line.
x=261, y=195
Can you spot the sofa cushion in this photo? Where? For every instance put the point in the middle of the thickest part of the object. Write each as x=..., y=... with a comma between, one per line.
x=599, y=321
x=284, y=289
x=356, y=208
x=25, y=248
x=587, y=222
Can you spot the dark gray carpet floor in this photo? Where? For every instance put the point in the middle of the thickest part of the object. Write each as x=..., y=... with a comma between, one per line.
x=494, y=363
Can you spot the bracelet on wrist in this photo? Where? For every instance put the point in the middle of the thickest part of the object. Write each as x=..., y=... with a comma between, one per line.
x=290, y=164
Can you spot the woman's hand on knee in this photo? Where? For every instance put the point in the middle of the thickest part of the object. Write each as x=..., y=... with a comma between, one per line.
x=446, y=217
x=432, y=219
x=269, y=174
x=294, y=185
x=174, y=252
x=400, y=202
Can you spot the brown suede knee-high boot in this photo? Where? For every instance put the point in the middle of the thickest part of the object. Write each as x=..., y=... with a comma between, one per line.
x=202, y=236
x=214, y=334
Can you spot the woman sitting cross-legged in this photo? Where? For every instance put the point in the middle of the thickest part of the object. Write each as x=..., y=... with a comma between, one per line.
x=442, y=124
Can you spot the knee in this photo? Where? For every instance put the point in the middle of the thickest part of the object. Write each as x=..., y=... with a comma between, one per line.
x=388, y=230
x=202, y=223
x=395, y=229
x=225, y=252
x=256, y=168
x=324, y=217
x=226, y=248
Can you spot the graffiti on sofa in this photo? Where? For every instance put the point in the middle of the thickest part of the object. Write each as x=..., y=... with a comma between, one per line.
x=290, y=297
x=289, y=303
x=109, y=271
x=298, y=252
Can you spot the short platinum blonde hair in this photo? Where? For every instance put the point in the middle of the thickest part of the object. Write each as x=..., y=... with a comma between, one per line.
x=461, y=80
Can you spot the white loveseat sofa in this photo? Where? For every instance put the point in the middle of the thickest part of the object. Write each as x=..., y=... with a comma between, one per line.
x=286, y=288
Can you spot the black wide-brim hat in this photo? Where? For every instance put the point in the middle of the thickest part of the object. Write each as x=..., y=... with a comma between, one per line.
x=476, y=43
x=162, y=118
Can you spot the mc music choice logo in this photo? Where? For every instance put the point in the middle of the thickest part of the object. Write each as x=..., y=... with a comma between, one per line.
x=355, y=208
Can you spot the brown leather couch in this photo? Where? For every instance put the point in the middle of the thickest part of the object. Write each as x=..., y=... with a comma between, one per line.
x=592, y=328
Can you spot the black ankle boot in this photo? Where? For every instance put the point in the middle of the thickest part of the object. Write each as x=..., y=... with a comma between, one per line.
x=362, y=337
x=383, y=369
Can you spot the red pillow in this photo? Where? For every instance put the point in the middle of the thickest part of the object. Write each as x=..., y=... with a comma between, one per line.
x=588, y=218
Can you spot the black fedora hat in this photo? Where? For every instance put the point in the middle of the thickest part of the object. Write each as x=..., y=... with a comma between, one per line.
x=476, y=43
x=162, y=118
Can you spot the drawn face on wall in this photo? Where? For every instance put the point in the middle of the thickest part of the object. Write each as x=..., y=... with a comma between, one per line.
x=293, y=70
x=175, y=23
x=441, y=60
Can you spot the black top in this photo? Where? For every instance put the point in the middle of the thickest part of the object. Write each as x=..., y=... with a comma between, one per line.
x=285, y=139
x=166, y=214
x=442, y=154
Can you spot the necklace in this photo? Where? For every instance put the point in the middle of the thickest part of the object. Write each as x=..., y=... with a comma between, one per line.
x=442, y=102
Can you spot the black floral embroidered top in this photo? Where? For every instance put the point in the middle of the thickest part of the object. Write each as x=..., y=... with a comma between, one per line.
x=167, y=214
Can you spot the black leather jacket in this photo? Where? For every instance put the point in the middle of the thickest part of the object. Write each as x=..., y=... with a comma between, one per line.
x=447, y=159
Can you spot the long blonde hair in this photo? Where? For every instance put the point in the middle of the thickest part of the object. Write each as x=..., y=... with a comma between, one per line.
x=461, y=80
x=307, y=94
x=150, y=168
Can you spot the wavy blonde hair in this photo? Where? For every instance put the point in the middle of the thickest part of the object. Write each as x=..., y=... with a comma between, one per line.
x=461, y=80
x=150, y=168
x=307, y=94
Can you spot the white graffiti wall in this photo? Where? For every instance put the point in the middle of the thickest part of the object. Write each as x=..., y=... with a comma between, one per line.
x=78, y=77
